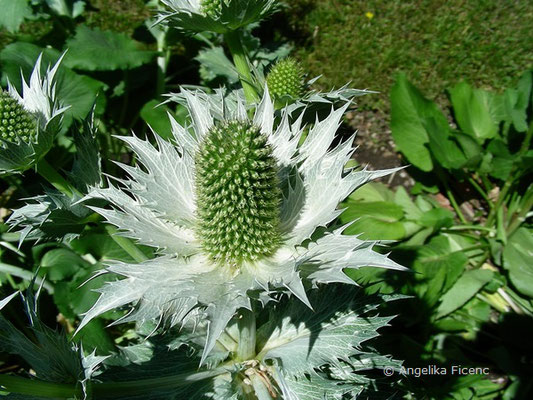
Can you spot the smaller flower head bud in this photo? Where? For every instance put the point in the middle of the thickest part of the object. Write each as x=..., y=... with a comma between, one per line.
x=16, y=124
x=286, y=78
x=211, y=8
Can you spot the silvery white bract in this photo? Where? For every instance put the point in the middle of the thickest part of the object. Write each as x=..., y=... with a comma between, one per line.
x=218, y=16
x=157, y=206
x=38, y=98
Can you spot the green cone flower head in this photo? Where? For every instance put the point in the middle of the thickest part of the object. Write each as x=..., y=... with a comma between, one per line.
x=286, y=79
x=29, y=121
x=211, y=8
x=16, y=124
x=218, y=16
x=231, y=206
x=237, y=194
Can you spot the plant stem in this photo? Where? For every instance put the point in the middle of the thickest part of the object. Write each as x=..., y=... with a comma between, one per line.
x=518, y=218
x=233, y=40
x=26, y=275
x=146, y=386
x=480, y=191
x=507, y=186
x=454, y=203
x=16, y=384
x=247, y=332
x=56, y=180
x=470, y=228
x=127, y=245
x=443, y=178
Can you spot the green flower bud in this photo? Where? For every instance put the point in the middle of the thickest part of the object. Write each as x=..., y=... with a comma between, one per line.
x=211, y=8
x=238, y=196
x=286, y=78
x=16, y=124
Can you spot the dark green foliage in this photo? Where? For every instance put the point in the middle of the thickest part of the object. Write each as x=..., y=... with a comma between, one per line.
x=237, y=194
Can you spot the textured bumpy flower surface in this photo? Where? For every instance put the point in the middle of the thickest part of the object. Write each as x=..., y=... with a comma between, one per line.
x=233, y=208
x=286, y=78
x=15, y=122
x=29, y=121
x=218, y=16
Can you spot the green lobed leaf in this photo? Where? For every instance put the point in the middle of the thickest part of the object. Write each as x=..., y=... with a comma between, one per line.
x=373, y=220
x=214, y=63
x=500, y=162
x=465, y=288
x=13, y=13
x=96, y=50
x=472, y=112
x=61, y=264
x=402, y=198
x=517, y=100
x=410, y=113
x=437, y=218
x=438, y=267
x=518, y=260
x=443, y=147
x=75, y=90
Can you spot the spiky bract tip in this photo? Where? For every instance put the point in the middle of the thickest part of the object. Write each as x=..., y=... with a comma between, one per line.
x=15, y=122
x=238, y=196
x=286, y=78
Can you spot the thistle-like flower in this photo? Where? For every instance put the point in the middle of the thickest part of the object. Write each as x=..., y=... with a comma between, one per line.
x=29, y=121
x=286, y=79
x=218, y=16
x=233, y=208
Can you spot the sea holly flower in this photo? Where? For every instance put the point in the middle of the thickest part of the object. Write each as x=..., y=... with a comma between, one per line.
x=219, y=16
x=29, y=121
x=234, y=208
x=285, y=80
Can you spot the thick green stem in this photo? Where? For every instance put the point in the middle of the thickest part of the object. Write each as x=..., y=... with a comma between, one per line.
x=470, y=228
x=35, y=387
x=146, y=386
x=247, y=332
x=127, y=245
x=56, y=180
x=15, y=384
x=233, y=40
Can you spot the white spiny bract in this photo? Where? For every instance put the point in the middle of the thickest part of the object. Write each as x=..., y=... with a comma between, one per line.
x=160, y=205
x=218, y=16
x=38, y=113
